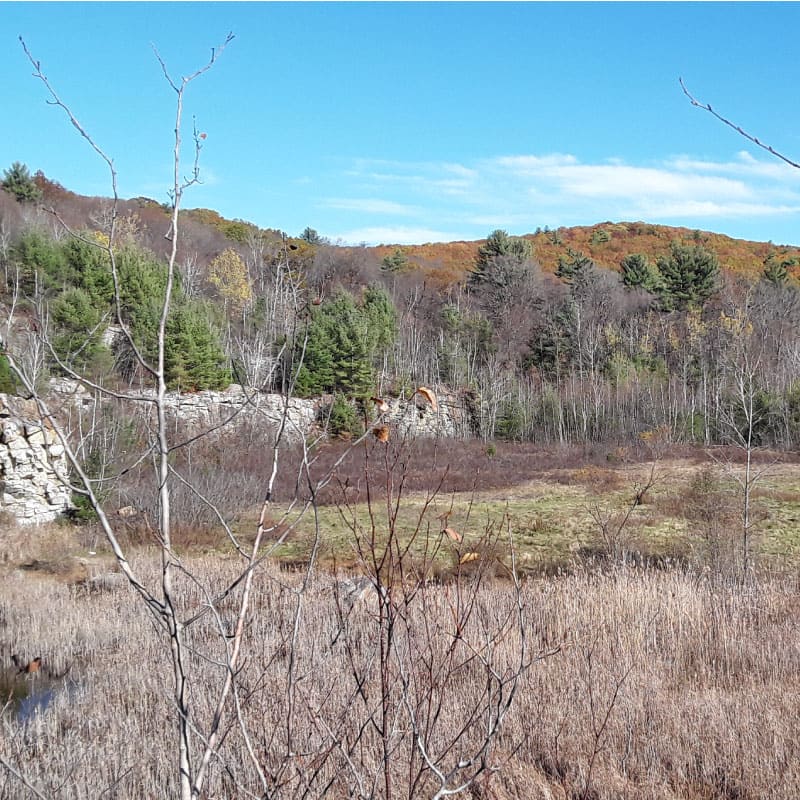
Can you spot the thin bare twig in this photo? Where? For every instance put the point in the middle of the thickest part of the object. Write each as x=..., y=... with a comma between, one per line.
x=21, y=778
x=706, y=107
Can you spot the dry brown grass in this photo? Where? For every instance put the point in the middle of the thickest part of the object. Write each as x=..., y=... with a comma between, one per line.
x=696, y=684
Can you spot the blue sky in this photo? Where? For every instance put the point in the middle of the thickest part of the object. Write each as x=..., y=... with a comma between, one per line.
x=414, y=122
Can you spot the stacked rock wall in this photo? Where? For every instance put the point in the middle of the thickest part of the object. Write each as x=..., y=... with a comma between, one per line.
x=203, y=410
x=453, y=418
x=33, y=466
x=34, y=469
x=414, y=416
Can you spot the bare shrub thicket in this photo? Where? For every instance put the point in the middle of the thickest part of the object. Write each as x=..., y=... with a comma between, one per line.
x=663, y=686
x=239, y=710
x=709, y=505
x=230, y=467
x=383, y=693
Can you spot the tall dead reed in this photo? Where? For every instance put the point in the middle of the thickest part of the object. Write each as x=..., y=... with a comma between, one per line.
x=657, y=684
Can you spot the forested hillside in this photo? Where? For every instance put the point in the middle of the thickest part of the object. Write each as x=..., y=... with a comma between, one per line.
x=606, y=333
x=606, y=244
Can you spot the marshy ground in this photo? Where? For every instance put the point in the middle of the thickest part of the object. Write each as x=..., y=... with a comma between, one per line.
x=661, y=677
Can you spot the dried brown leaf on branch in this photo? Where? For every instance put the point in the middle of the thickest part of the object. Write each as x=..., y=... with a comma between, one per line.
x=429, y=396
x=381, y=433
x=453, y=534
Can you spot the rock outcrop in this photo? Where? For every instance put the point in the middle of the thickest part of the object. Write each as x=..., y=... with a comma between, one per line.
x=34, y=469
x=414, y=416
x=33, y=466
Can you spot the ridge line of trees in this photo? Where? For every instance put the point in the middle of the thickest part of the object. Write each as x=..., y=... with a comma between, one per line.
x=586, y=354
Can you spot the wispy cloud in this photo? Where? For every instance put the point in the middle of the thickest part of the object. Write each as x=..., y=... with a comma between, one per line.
x=394, y=235
x=744, y=165
x=524, y=191
x=699, y=208
x=370, y=206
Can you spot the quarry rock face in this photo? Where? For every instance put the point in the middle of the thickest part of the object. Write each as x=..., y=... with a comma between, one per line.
x=197, y=411
x=33, y=466
x=453, y=417
x=34, y=469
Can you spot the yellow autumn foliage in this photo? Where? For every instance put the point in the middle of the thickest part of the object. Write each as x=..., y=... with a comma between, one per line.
x=227, y=273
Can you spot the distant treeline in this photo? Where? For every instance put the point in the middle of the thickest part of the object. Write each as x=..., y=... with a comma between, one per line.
x=677, y=344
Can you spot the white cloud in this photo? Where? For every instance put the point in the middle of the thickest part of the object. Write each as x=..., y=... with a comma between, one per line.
x=370, y=206
x=534, y=165
x=745, y=166
x=460, y=170
x=698, y=208
x=394, y=235
x=623, y=181
x=568, y=176
x=524, y=191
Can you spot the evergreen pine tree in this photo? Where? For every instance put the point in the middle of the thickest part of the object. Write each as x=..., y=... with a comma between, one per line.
x=17, y=180
x=91, y=270
x=381, y=318
x=552, y=346
x=193, y=357
x=343, y=341
x=572, y=268
x=689, y=276
x=349, y=334
x=776, y=270
x=312, y=237
x=499, y=246
x=316, y=373
x=78, y=331
x=41, y=262
x=396, y=261
x=636, y=272
x=579, y=272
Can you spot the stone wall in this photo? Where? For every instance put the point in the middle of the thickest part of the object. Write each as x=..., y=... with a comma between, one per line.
x=413, y=416
x=202, y=410
x=33, y=466
x=453, y=418
x=34, y=469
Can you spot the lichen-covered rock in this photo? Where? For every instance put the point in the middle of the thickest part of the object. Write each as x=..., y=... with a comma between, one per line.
x=33, y=467
x=452, y=418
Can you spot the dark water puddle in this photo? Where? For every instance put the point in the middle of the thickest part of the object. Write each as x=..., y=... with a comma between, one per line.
x=30, y=695
x=35, y=702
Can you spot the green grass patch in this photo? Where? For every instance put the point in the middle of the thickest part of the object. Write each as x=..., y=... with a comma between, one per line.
x=549, y=519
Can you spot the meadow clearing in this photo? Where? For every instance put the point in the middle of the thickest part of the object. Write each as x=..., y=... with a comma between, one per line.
x=652, y=667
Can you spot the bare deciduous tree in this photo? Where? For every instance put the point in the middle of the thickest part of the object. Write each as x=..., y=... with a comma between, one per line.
x=406, y=695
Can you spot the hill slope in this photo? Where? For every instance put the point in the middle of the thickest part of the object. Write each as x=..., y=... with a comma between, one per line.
x=206, y=233
x=607, y=244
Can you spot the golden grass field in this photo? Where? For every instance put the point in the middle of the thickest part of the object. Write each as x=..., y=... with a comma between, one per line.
x=550, y=518
x=673, y=680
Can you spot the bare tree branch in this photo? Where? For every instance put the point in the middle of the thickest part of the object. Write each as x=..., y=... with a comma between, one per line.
x=706, y=107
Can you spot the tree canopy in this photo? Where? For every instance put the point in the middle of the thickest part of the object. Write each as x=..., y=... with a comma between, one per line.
x=636, y=272
x=17, y=180
x=498, y=246
x=342, y=341
x=689, y=275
